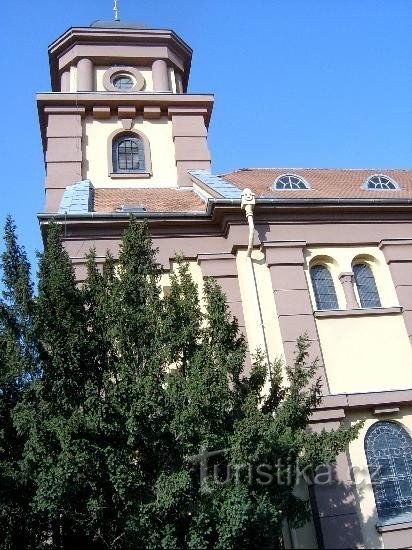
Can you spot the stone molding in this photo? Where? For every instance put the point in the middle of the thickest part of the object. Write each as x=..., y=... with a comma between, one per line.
x=105, y=46
x=396, y=535
x=283, y=252
x=328, y=313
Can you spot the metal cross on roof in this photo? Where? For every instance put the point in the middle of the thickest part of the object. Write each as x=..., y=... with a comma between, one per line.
x=116, y=11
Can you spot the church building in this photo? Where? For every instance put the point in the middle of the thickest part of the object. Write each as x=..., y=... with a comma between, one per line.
x=322, y=251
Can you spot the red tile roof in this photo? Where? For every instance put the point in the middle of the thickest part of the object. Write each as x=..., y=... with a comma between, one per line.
x=324, y=182
x=153, y=200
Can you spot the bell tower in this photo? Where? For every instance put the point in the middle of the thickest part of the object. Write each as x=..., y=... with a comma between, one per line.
x=119, y=115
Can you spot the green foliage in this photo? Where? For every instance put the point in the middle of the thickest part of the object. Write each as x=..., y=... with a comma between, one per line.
x=126, y=418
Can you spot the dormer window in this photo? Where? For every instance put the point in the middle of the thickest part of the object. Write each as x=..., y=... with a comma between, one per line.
x=381, y=182
x=290, y=182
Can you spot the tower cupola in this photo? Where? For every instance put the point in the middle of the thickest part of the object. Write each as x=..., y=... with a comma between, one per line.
x=119, y=115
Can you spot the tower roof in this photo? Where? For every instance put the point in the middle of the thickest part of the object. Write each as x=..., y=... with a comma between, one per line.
x=109, y=41
x=101, y=24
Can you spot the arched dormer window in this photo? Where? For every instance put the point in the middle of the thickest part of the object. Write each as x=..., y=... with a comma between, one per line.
x=129, y=155
x=323, y=287
x=290, y=182
x=380, y=182
x=388, y=449
x=366, y=285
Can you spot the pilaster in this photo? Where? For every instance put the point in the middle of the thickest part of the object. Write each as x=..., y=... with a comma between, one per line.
x=398, y=255
x=190, y=140
x=295, y=313
x=222, y=267
x=63, y=152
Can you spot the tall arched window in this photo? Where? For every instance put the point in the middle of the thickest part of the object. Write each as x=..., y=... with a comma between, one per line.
x=388, y=449
x=128, y=154
x=365, y=283
x=323, y=287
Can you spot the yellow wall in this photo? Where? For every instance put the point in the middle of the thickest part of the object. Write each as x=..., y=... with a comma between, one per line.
x=366, y=353
x=251, y=307
x=159, y=134
x=146, y=72
x=363, y=490
x=195, y=272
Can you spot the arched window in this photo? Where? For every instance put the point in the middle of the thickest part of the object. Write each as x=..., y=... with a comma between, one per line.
x=365, y=283
x=388, y=449
x=290, y=182
x=128, y=154
x=323, y=287
x=379, y=181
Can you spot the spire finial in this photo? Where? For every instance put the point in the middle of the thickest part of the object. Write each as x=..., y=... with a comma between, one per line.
x=116, y=11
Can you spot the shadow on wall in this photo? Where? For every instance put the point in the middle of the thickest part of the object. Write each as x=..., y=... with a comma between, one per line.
x=335, y=510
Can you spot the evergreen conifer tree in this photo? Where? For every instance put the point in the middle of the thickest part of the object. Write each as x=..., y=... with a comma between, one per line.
x=136, y=425
x=17, y=369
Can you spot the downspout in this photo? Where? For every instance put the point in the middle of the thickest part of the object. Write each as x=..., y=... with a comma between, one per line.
x=248, y=204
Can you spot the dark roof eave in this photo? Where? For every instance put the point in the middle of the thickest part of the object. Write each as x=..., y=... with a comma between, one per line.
x=214, y=202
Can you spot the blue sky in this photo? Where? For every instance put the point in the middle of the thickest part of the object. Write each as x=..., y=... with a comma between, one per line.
x=297, y=83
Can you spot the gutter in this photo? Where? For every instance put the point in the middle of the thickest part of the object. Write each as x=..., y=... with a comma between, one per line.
x=212, y=202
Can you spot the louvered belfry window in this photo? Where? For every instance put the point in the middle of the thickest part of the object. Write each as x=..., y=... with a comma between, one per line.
x=365, y=283
x=323, y=287
x=388, y=449
x=128, y=154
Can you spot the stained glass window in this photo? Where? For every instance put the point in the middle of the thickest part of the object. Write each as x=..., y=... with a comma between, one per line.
x=365, y=283
x=388, y=449
x=323, y=287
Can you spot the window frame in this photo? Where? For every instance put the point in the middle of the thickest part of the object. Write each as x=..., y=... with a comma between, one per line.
x=136, y=149
x=390, y=180
x=387, y=459
x=317, y=297
x=133, y=72
x=113, y=139
x=361, y=296
x=290, y=175
x=123, y=76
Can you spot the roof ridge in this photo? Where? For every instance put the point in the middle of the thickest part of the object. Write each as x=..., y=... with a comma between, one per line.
x=289, y=169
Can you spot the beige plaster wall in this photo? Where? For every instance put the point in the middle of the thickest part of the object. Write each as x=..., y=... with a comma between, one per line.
x=194, y=270
x=251, y=305
x=159, y=134
x=73, y=79
x=172, y=79
x=363, y=490
x=366, y=353
x=340, y=260
x=146, y=72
